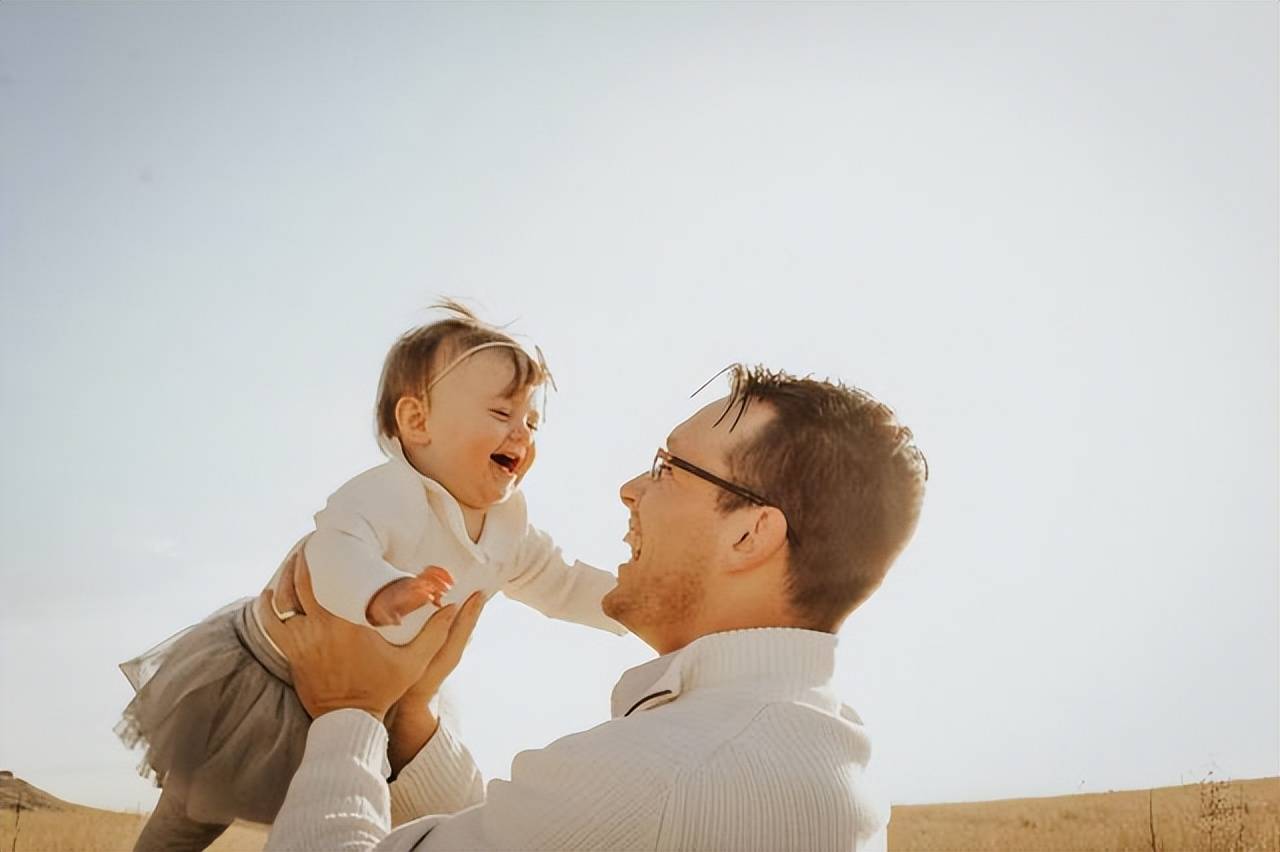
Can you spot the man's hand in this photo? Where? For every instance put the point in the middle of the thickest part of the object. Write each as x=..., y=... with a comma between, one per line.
x=337, y=664
x=401, y=597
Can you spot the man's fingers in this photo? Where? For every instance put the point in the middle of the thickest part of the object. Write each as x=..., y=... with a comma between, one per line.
x=302, y=584
x=435, y=633
x=470, y=614
x=460, y=631
x=287, y=599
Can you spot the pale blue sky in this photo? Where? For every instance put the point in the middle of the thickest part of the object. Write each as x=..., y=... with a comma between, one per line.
x=1045, y=233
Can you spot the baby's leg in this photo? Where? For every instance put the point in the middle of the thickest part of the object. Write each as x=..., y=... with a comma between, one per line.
x=169, y=828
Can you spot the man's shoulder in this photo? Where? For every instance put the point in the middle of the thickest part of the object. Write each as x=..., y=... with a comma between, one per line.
x=790, y=758
x=691, y=730
x=644, y=750
x=744, y=759
x=789, y=735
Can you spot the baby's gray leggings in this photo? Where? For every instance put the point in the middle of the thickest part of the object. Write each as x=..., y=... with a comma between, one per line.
x=169, y=829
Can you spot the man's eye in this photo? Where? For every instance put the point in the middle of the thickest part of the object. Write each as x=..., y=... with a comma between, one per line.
x=533, y=425
x=500, y=413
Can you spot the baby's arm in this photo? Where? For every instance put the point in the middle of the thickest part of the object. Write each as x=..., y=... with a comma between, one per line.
x=347, y=570
x=544, y=581
x=359, y=525
x=401, y=597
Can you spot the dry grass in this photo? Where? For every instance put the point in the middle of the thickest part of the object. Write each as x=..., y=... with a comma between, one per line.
x=1213, y=816
x=1240, y=816
x=91, y=830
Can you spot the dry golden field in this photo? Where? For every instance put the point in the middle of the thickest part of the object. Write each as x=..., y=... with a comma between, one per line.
x=1239, y=816
x=92, y=830
x=1226, y=816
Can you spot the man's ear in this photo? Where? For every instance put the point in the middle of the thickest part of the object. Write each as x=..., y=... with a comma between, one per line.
x=762, y=537
x=411, y=420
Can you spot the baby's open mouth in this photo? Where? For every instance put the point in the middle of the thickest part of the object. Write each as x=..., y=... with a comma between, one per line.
x=506, y=462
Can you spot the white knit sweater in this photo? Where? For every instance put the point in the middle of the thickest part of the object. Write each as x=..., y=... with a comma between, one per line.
x=391, y=522
x=734, y=742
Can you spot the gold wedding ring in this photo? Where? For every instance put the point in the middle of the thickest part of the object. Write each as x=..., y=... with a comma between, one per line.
x=283, y=616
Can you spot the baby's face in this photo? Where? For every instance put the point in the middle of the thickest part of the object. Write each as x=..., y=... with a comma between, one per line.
x=480, y=438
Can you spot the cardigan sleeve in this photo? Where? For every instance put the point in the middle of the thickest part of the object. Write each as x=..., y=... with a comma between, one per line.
x=544, y=581
x=441, y=779
x=362, y=521
x=578, y=793
x=338, y=798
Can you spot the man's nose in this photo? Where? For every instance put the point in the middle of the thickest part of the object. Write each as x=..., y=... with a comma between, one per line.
x=632, y=490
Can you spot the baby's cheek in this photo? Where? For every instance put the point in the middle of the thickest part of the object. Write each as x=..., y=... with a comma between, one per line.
x=489, y=439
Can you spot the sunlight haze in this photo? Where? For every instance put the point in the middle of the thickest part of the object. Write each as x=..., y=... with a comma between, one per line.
x=1045, y=234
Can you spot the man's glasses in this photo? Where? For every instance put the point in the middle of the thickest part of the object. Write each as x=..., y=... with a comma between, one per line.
x=663, y=460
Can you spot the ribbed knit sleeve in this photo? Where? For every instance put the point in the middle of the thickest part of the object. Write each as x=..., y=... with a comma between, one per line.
x=583, y=792
x=441, y=779
x=338, y=798
x=361, y=522
x=543, y=580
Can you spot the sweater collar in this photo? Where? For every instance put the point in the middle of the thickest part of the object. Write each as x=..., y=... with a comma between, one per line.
x=770, y=662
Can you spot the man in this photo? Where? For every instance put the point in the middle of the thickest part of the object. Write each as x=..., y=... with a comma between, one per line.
x=770, y=516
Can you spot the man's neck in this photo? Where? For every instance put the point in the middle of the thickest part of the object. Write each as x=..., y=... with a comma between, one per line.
x=669, y=641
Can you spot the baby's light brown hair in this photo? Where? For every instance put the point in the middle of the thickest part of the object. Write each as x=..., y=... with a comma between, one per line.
x=420, y=353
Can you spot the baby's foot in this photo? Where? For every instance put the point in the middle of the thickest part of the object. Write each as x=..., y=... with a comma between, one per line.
x=401, y=597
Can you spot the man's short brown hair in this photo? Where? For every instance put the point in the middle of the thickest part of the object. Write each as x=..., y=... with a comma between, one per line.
x=420, y=352
x=845, y=473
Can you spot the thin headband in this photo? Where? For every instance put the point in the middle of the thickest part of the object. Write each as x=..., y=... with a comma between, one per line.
x=542, y=361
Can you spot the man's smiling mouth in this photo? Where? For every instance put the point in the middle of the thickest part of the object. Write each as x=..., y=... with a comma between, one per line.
x=632, y=539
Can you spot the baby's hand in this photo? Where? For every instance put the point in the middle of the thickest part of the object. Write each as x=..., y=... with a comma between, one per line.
x=401, y=597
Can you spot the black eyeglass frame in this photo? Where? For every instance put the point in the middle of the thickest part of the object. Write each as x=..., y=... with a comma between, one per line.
x=662, y=457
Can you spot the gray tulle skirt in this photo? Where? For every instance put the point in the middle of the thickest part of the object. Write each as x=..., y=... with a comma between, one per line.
x=222, y=727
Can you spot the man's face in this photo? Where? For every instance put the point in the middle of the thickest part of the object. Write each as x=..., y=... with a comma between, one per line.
x=677, y=534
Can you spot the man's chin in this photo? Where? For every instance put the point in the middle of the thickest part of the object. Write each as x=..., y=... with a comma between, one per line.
x=613, y=604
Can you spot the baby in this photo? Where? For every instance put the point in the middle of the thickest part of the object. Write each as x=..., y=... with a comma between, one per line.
x=456, y=417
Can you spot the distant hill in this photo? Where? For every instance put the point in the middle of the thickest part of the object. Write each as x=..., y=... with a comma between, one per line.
x=47, y=822
x=17, y=794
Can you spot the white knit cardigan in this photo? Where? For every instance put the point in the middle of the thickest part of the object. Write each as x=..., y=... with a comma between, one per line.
x=391, y=521
x=736, y=741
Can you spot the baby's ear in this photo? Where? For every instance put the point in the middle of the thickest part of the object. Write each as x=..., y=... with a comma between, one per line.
x=411, y=420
